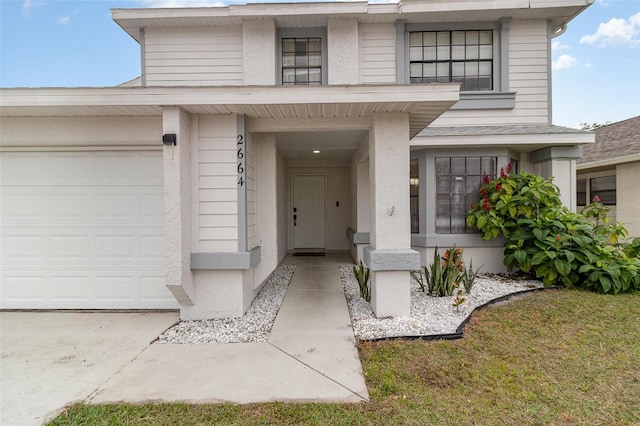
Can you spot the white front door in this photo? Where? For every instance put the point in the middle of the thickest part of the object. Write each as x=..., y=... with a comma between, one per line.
x=309, y=212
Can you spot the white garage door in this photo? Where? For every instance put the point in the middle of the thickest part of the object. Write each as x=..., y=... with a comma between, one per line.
x=82, y=230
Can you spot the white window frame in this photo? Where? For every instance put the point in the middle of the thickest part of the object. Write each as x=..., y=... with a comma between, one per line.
x=498, y=98
x=320, y=32
x=427, y=236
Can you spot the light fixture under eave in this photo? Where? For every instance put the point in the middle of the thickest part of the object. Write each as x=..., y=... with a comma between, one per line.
x=316, y=151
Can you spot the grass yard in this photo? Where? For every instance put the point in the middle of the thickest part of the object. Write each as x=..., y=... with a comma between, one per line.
x=551, y=358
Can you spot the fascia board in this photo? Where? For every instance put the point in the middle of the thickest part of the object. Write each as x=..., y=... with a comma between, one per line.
x=609, y=162
x=235, y=95
x=503, y=140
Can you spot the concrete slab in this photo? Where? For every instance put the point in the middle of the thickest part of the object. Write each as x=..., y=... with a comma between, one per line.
x=313, y=324
x=50, y=359
x=240, y=373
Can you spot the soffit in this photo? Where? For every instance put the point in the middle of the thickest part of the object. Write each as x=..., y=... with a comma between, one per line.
x=423, y=103
x=300, y=15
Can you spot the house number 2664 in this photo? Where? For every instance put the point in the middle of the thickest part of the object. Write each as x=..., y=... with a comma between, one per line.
x=241, y=174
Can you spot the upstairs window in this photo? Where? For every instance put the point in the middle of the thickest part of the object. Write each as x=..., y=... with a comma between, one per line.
x=301, y=61
x=464, y=57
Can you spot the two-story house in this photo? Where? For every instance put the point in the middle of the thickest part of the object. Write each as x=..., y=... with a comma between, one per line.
x=261, y=129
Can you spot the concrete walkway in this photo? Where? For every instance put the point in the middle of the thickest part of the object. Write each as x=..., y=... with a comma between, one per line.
x=310, y=356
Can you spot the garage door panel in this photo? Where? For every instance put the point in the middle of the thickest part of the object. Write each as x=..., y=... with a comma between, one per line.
x=91, y=237
x=98, y=288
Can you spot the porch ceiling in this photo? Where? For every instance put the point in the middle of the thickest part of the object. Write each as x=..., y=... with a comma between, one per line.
x=423, y=103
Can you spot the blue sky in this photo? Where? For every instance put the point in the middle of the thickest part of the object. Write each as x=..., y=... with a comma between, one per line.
x=59, y=43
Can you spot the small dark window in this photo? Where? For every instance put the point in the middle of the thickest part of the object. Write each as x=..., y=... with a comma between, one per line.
x=302, y=61
x=414, y=194
x=581, y=185
x=605, y=189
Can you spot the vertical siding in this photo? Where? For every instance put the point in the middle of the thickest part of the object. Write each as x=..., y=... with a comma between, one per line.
x=377, y=54
x=528, y=77
x=194, y=57
x=252, y=238
x=217, y=183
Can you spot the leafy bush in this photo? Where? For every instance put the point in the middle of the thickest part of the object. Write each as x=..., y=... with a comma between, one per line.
x=445, y=274
x=546, y=239
x=362, y=274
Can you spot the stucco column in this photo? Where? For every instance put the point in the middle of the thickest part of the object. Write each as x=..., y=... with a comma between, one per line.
x=559, y=163
x=342, y=51
x=259, y=52
x=177, y=205
x=266, y=204
x=390, y=256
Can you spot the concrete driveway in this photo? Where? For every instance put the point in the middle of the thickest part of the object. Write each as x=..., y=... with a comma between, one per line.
x=50, y=359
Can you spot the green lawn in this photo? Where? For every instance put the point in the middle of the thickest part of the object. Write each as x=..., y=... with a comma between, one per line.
x=551, y=358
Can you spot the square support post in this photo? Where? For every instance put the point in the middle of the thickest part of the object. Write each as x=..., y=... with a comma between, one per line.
x=389, y=256
x=177, y=205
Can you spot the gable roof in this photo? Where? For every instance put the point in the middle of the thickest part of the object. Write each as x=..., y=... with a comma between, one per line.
x=614, y=141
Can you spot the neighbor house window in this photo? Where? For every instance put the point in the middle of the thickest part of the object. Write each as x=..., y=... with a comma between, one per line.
x=464, y=57
x=604, y=188
x=301, y=61
x=458, y=181
x=581, y=195
x=414, y=196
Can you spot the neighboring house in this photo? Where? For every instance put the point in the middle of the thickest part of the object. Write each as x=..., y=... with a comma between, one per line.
x=256, y=130
x=610, y=169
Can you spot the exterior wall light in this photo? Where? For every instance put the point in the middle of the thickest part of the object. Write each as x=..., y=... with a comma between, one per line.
x=315, y=151
x=169, y=139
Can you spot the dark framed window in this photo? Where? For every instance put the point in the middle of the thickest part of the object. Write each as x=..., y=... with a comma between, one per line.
x=604, y=188
x=301, y=61
x=414, y=196
x=458, y=181
x=464, y=57
x=581, y=192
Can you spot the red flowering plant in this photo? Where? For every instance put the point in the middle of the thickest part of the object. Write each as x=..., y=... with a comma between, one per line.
x=509, y=197
x=544, y=238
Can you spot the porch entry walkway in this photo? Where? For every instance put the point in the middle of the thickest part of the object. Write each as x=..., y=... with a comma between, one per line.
x=310, y=355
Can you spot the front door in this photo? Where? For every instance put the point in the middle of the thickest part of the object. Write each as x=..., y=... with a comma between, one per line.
x=309, y=212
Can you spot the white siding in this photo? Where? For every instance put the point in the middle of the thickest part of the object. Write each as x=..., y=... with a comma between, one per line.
x=528, y=77
x=377, y=54
x=194, y=57
x=217, y=184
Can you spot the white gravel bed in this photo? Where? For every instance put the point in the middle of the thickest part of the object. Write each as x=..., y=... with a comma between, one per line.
x=429, y=315
x=254, y=326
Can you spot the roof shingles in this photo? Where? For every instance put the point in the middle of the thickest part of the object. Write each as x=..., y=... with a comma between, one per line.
x=613, y=141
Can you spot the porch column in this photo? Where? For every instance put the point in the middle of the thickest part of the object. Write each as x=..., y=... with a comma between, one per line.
x=177, y=205
x=390, y=256
x=560, y=163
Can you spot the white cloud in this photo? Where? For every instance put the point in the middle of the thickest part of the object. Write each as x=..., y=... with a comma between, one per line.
x=616, y=32
x=564, y=62
x=557, y=45
x=29, y=5
x=63, y=20
x=588, y=65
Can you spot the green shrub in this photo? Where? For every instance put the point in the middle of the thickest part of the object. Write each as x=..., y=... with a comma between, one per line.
x=362, y=274
x=544, y=238
x=445, y=274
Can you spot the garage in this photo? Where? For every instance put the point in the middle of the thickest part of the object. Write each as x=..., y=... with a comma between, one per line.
x=82, y=229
